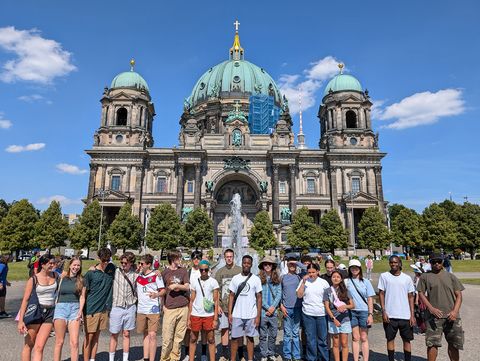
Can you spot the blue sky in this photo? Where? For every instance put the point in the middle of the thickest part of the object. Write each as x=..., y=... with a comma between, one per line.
x=419, y=61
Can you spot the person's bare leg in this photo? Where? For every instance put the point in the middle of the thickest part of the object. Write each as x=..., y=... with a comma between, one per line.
x=336, y=347
x=29, y=342
x=42, y=336
x=152, y=340
x=192, y=347
x=453, y=353
x=365, y=344
x=2, y=304
x=210, y=336
x=356, y=342
x=126, y=341
x=146, y=345
x=87, y=348
x=344, y=343
x=94, y=345
x=391, y=347
x=74, y=332
x=113, y=342
x=250, y=346
x=233, y=349
x=60, y=329
x=432, y=353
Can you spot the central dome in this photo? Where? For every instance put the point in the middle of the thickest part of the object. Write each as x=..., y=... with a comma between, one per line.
x=231, y=77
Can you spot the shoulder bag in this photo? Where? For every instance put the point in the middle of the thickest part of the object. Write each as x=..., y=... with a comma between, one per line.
x=240, y=288
x=336, y=301
x=33, y=313
x=356, y=289
x=208, y=305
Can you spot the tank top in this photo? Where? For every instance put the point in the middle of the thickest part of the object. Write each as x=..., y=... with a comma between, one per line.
x=46, y=294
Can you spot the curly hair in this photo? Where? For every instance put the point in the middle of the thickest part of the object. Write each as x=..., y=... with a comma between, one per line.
x=274, y=277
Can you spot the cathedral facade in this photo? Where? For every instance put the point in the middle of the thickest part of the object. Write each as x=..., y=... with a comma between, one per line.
x=236, y=136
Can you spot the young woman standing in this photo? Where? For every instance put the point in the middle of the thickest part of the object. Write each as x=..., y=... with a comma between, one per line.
x=337, y=303
x=312, y=289
x=362, y=294
x=68, y=309
x=36, y=334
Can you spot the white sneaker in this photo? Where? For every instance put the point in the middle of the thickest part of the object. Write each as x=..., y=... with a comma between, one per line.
x=203, y=358
x=186, y=358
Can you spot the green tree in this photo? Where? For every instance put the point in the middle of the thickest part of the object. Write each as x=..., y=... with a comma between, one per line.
x=165, y=230
x=373, y=233
x=126, y=230
x=85, y=233
x=51, y=230
x=303, y=232
x=198, y=230
x=467, y=219
x=449, y=207
x=17, y=228
x=440, y=231
x=4, y=207
x=394, y=209
x=407, y=230
x=333, y=234
x=262, y=236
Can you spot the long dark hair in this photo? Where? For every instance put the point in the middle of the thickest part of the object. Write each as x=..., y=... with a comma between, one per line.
x=341, y=290
x=274, y=277
x=44, y=260
x=360, y=274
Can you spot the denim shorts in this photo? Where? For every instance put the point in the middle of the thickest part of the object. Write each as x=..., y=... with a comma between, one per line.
x=67, y=311
x=345, y=327
x=359, y=318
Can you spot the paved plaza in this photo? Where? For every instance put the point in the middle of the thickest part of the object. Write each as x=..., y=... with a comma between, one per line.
x=12, y=342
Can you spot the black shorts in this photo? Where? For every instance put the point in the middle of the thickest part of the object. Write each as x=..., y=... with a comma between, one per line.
x=395, y=325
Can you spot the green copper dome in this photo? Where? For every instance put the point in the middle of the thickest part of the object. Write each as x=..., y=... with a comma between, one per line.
x=234, y=76
x=129, y=79
x=343, y=82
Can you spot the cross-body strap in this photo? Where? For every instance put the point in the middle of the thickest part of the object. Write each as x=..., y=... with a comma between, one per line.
x=201, y=288
x=334, y=293
x=240, y=288
x=129, y=282
x=356, y=289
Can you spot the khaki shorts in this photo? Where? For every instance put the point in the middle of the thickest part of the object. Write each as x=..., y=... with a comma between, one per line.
x=452, y=330
x=96, y=322
x=147, y=322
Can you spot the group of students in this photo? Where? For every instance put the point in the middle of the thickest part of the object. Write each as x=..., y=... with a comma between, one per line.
x=319, y=311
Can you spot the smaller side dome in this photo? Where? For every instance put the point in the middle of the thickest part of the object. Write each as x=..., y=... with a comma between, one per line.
x=343, y=82
x=130, y=79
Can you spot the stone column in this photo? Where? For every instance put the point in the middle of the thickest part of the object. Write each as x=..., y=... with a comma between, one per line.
x=344, y=189
x=333, y=187
x=293, y=189
x=378, y=182
x=129, y=176
x=367, y=181
x=137, y=203
x=198, y=186
x=180, y=189
x=91, y=181
x=275, y=194
x=104, y=176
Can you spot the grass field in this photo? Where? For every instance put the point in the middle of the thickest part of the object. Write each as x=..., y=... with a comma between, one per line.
x=458, y=266
x=470, y=281
x=18, y=271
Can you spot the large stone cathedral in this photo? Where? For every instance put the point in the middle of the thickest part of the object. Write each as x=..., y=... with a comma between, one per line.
x=236, y=136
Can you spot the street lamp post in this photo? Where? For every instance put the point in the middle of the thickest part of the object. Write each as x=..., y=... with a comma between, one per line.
x=102, y=194
x=351, y=195
x=147, y=218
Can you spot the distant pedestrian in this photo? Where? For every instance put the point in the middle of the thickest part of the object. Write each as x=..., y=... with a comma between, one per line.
x=69, y=309
x=3, y=284
x=291, y=307
x=330, y=266
x=423, y=264
x=369, y=267
x=271, y=297
x=338, y=302
x=361, y=315
x=312, y=289
x=396, y=299
x=441, y=292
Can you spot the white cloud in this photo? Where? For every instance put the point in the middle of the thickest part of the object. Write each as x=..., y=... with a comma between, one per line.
x=59, y=198
x=24, y=148
x=37, y=59
x=5, y=123
x=422, y=108
x=70, y=169
x=307, y=84
x=32, y=98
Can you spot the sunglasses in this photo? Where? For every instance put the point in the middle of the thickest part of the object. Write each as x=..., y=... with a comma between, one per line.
x=142, y=263
x=436, y=261
x=123, y=263
x=204, y=269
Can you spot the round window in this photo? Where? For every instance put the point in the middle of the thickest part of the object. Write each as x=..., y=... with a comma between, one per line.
x=202, y=85
x=119, y=138
x=353, y=141
x=236, y=79
x=236, y=64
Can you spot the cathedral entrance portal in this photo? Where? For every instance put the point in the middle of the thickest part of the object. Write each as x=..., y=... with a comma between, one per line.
x=221, y=212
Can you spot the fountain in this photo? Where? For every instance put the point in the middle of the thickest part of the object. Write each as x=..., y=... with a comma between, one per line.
x=235, y=241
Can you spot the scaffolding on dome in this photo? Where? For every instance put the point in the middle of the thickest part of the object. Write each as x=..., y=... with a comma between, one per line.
x=263, y=114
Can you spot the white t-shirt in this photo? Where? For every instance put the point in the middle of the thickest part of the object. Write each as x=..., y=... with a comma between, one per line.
x=312, y=304
x=396, y=290
x=246, y=305
x=150, y=282
x=208, y=286
x=194, y=274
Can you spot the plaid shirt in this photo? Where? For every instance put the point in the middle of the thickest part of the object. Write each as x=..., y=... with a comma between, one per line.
x=123, y=295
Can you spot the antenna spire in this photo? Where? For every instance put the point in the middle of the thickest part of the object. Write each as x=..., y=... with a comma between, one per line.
x=300, y=136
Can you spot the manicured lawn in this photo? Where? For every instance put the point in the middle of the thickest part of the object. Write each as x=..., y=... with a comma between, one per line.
x=470, y=281
x=18, y=271
x=458, y=266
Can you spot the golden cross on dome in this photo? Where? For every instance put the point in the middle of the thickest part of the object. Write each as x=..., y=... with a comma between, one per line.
x=237, y=24
x=237, y=106
x=132, y=64
x=341, y=66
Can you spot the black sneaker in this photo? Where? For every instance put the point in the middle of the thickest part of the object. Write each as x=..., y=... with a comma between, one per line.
x=4, y=315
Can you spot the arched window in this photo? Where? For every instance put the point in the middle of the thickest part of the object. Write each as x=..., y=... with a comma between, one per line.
x=122, y=116
x=115, y=184
x=351, y=118
x=162, y=184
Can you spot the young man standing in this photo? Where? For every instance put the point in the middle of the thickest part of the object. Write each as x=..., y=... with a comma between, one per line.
x=175, y=308
x=224, y=276
x=244, y=307
x=203, y=310
x=396, y=298
x=291, y=307
x=441, y=292
x=150, y=288
x=124, y=298
x=3, y=284
x=98, y=285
